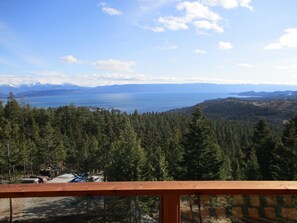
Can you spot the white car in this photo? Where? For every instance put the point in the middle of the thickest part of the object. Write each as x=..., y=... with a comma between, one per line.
x=30, y=181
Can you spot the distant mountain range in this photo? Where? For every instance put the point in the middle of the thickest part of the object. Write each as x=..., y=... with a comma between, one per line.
x=262, y=90
x=267, y=95
x=276, y=103
x=37, y=89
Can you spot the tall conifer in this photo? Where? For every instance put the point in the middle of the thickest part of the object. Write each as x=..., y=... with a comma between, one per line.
x=203, y=158
x=284, y=163
x=263, y=144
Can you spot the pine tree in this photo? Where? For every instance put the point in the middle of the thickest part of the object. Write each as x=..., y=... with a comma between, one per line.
x=156, y=166
x=203, y=158
x=12, y=109
x=11, y=145
x=128, y=157
x=238, y=166
x=50, y=149
x=253, y=169
x=263, y=144
x=284, y=163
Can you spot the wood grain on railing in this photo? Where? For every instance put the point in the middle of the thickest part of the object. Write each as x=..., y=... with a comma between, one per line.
x=150, y=188
x=169, y=191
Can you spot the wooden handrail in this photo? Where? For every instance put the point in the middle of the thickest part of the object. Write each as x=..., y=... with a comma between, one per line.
x=151, y=188
x=169, y=191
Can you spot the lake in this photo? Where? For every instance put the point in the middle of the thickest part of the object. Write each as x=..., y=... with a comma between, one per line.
x=129, y=102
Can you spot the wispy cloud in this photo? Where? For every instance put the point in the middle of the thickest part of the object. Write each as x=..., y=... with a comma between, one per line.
x=69, y=59
x=206, y=25
x=13, y=43
x=42, y=76
x=92, y=80
x=156, y=29
x=153, y=4
x=194, y=13
x=7, y=37
x=197, y=14
x=282, y=67
x=285, y=67
x=229, y=4
x=225, y=45
x=245, y=65
x=246, y=4
x=114, y=65
x=5, y=62
x=172, y=23
x=198, y=51
x=109, y=10
x=168, y=46
x=289, y=40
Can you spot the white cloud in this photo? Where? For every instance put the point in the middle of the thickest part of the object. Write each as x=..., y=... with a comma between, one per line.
x=273, y=46
x=246, y=4
x=157, y=29
x=43, y=77
x=69, y=59
x=200, y=51
x=199, y=14
x=229, y=4
x=204, y=24
x=111, y=11
x=92, y=80
x=196, y=10
x=194, y=13
x=225, y=45
x=245, y=65
x=54, y=77
x=147, y=6
x=289, y=39
x=114, y=65
x=279, y=67
x=285, y=67
x=106, y=65
x=168, y=46
x=172, y=23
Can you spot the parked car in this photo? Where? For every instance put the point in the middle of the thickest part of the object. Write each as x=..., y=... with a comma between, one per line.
x=42, y=179
x=78, y=179
x=29, y=180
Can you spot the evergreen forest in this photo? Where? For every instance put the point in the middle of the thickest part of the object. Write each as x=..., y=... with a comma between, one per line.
x=147, y=147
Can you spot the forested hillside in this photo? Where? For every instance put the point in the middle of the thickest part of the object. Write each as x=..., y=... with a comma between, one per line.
x=276, y=111
x=149, y=146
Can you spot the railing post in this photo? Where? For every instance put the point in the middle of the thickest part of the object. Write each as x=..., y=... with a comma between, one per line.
x=170, y=209
x=10, y=210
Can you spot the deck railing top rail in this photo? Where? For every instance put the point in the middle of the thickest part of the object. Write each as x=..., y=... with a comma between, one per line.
x=151, y=188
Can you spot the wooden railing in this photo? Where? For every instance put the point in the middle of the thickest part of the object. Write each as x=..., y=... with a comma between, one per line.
x=169, y=191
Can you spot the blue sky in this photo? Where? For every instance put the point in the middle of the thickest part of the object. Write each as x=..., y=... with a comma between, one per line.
x=91, y=42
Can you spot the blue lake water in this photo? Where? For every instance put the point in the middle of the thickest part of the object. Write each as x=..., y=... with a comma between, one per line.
x=129, y=102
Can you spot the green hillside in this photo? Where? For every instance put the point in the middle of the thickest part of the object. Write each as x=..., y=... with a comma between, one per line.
x=276, y=111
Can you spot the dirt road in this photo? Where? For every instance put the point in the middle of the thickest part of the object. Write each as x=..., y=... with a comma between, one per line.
x=40, y=208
